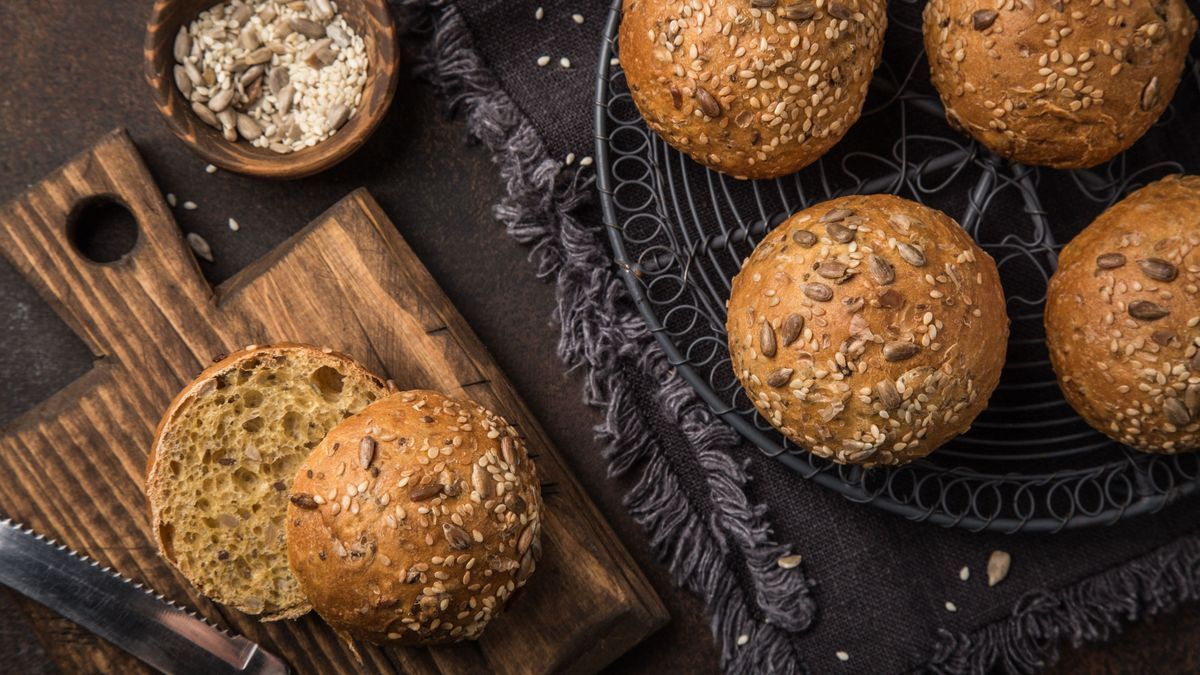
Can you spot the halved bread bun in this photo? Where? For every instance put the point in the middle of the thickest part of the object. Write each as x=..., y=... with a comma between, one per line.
x=223, y=461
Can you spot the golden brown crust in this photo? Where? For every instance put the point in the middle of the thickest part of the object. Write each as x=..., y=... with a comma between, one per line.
x=868, y=329
x=158, y=480
x=427, y=543
x=1067, y=84
x=743, y=88
x=1133, y=376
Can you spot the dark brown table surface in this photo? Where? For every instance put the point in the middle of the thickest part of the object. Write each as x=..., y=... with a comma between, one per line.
x=70, y=70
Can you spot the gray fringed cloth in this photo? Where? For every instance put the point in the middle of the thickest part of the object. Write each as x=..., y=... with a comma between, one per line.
x=872, y=587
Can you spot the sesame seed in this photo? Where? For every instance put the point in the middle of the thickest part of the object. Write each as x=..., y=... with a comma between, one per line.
x=171, y=200
x=743, y=639
x=570, y=158
x=210, y=169
x=950, y=607
x=539, y=14
x=233, y=225
x=964, y=573
x=577, y=18
x=843, y=656
x=586, y=161
x=543, y=61
x=564, y=62
x=189, y=206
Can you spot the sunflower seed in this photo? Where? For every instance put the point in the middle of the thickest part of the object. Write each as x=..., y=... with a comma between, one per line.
x=840, y=11
x=766, y=340
x=307, y=27
x=984, y=18
x=818, y=291
x=182, y=81
x=199, y=246
x=247, y=127
x=1158, y=269
x=508, y=450
x=1194, y=364
x=789, y=562
x=1163, y=338
x=676, y=97
x=831, y=269
x=252, y=74
x=790, y=330
x=335, y=33
x=205, y=114
x=708, y=104
x=900, y=351
x=1192, y=400
x=277, y=79
x=183, y=44
x=284, y=97
x=481, y=480
x=799, y=11
x=1177, y=412
x=835, y=215
x=525, y=540
x=193, y=74
x=515, y=503
x=458, y=538
x=889, y=397
x=421, y=493
x=1145, y=310
x=1150, y=94
x=881, y=271
x=337, y=117
x=762, y=4
x=911, y=254
x=366, y=452
x=249, y=39
x=997, y=567
x=779, y=377
x=304, y=501
x=839, y=233
x=241, y=14
x=1110, y=261
x=804, y=238
x=221, y=100
x=260, y=55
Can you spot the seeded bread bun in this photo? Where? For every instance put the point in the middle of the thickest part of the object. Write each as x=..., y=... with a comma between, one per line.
x=415, y=521
x=223, y=461
x=1123, y=318
x=1065, y=83
x=752, y=88
x=868, y=329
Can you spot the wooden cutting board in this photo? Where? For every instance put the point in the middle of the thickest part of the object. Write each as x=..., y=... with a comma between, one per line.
x=73, y=467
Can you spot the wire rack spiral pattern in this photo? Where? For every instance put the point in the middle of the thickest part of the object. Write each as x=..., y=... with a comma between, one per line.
x=679, y=233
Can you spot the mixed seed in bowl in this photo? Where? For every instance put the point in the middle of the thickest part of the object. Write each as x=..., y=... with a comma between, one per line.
x=279, y=75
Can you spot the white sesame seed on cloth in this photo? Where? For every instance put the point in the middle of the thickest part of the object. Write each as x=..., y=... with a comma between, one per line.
x=570, y=158
x=210, y=169
x=843, y=656
x=743, y=639
x=951, y=607
x=543, y=61
x=190, y=206
x=564, y=62
x=577, y=18
x=586, y=161
x=539, y=14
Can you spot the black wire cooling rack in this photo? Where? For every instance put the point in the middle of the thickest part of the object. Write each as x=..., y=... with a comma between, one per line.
x=679, y=233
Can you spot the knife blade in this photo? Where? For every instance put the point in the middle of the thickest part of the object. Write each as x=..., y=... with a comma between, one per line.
x=131, y=616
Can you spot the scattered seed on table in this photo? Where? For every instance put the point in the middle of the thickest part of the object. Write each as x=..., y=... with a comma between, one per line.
x=564, y=62
x=614, y=61
x=539, y=14
x=233, y=225
x=964, y=573
x=189, y=206
x=843, y=656
x=171, y=200
x=743, y=639
x=200, y=246
x=570, y=158
x=788, y=562
x=586, y=161
x=577, y=18
x=543, y=61
x=210, y=169
x=951, y=607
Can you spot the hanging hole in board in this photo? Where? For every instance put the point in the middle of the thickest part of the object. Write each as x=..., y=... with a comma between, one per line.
x=102, y=229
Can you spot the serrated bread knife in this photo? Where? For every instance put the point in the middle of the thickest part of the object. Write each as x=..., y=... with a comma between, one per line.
x=129, y=615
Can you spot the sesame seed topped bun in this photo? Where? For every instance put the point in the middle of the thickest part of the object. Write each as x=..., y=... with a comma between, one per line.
x=1123, y=318
x=1064, y=83
x=415, y=521
x=868, y=329
x=752, y=88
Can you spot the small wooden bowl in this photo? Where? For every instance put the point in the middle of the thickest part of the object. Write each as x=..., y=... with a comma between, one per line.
x=370, y=19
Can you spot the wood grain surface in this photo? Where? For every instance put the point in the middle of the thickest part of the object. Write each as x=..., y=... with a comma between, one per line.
x=370, y=19
x=75, y=463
